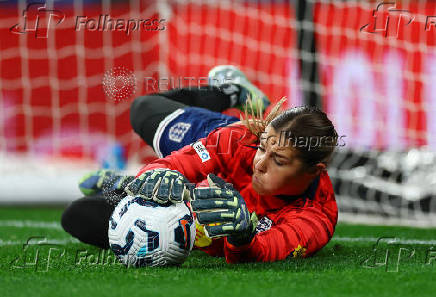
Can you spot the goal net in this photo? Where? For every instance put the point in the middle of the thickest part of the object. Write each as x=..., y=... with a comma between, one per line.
x=377, y=73
x=69, y=71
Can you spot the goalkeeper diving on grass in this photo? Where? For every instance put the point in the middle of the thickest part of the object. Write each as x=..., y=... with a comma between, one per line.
x=258, y=185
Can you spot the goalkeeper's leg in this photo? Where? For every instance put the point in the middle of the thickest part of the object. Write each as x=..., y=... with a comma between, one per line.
x=210, y=97
x=228, y=87
x=168, y=125
x=169, y=120
x=87, y=219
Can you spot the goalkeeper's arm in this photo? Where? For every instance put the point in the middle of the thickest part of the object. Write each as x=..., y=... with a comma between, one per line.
x=160, y=185
x=297, y=231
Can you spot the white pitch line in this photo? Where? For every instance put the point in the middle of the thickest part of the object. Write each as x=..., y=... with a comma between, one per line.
x=57, y=226
x=48, y=241
x=387, y=240
x=341, y=239
x=30, y=224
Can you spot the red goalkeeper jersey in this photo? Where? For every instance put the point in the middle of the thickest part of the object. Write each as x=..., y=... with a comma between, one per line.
x=295, y=226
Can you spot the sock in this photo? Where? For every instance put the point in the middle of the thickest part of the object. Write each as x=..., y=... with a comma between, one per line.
x=232, y=91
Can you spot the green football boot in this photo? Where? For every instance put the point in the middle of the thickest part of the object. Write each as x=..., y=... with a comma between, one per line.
x=232, y=81
x=95, y=182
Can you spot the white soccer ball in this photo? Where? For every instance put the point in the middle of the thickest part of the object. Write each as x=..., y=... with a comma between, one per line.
x=144, y=233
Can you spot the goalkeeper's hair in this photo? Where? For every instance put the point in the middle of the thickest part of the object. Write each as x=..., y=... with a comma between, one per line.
x=302, y=122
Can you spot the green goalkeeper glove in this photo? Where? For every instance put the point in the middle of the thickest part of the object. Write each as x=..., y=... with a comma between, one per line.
x=223, y=211
x=160, y=185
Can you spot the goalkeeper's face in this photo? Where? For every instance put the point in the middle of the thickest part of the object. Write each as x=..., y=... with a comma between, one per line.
x=277, y=169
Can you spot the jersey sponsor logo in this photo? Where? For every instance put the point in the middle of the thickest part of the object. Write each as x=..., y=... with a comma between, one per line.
x=201, y=239
x=178, y=131
x=201, y=150
x=263, y=225
x=298, y=252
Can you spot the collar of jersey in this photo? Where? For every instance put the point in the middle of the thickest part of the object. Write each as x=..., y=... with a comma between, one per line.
x=309, y=193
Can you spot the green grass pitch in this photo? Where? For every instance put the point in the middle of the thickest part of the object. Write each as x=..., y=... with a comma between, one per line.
x=352, y=264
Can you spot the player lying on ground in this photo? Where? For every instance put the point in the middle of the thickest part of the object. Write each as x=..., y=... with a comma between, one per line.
x=280, y=202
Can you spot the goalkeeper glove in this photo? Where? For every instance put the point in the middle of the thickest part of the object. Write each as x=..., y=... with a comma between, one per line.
x=107, y=182
x=160, y=185
x=223, y=211
x=92, y=182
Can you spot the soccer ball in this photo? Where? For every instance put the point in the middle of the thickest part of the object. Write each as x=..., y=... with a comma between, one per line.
x=144, y=233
